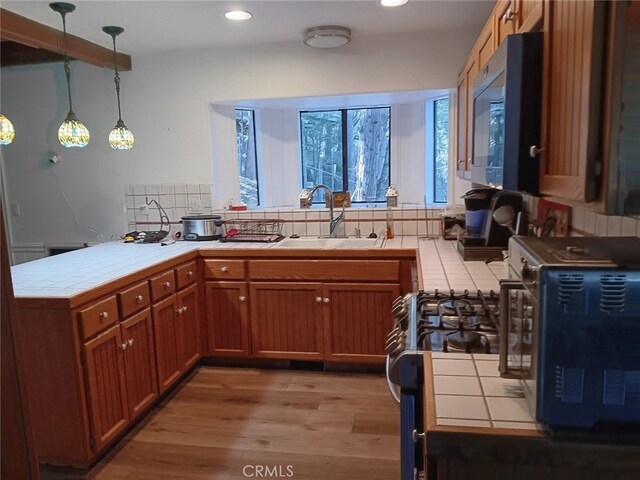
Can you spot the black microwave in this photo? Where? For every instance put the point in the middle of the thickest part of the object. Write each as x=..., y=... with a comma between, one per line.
x=507, y=101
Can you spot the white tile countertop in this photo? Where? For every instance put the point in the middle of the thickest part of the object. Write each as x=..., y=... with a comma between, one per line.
x=469, y=392
x=81, y=270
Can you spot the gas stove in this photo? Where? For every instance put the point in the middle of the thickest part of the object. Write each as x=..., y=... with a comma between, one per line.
x=432, y=321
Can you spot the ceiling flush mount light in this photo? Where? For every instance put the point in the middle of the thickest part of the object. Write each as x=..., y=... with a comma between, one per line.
x=120, y=137
x=392, y=3
x=6, y=131
x=237, y=15
x=329, y=36
x=72, y=133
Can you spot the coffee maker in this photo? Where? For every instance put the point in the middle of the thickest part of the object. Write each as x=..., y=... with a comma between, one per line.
x=492, y=216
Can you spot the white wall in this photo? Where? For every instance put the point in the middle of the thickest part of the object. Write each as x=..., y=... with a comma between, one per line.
x=166, y=102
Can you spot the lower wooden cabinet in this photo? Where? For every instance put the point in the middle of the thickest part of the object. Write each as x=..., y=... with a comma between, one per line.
x=106, y=386
x=188, y=322
x=357, y=321
x=121, y=376
x=166, y=342
x=286, y=320
x=227, y=318
x=140, y=362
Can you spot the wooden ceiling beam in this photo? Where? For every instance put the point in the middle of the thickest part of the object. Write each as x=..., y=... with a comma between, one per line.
x=19, y=29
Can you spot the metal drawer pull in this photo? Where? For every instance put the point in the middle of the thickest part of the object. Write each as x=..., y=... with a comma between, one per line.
x=319, y=299
x=224, y=269
x=167, y=284
x=189, y=274
x=326, y=300
x=139, y=298
x=104, y=315
x=130, y=342
x=242, y=298
x=123, y=346
x=534, y=151
x=180, y=310
x=417, y=436
x=184, y=309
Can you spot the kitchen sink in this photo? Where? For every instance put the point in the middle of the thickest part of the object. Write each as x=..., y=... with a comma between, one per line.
x=313, y=242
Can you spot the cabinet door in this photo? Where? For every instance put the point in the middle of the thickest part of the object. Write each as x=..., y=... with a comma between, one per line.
x=357, y=321
x=228, y=319
x=506, y=19
x=571, y=95
x=188, y=326
x=166, y=342
x=286, y=320
x=140, y=362
x=530, y=14
x=106, y=387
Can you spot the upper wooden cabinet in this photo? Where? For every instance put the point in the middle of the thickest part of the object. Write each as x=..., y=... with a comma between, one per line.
x=572, y=99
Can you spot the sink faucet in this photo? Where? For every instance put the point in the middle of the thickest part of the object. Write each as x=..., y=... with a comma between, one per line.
x=334, y=223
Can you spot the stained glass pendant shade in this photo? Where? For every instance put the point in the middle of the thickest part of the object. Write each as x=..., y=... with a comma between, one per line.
x=72, y=132
x=7, y=133
x=120, y=138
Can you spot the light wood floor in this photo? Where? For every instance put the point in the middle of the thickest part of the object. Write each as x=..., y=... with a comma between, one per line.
x=224, y=421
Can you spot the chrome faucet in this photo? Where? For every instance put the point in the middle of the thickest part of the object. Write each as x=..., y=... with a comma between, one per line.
x=334, y=223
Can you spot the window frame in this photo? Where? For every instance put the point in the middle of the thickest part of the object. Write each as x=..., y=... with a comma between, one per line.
x=255, y=151
x=345, y=150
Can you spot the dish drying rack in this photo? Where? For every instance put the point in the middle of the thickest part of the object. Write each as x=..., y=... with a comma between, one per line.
x=241, y=230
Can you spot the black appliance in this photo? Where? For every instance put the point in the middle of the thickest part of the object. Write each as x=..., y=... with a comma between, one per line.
x=570, y=330
x=506, y=115
x=432, y=321
x=477, y=203
x=506, y=207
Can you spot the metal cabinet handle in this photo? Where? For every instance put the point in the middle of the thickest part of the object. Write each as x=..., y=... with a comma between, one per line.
x=534, y=151
x=319, y=299
x=393, y=389
x=179, y=310
x=417, y=436
x=242, y=298
x=184, y=309
x=104, y=315
x=139, y=298
x=167, y=284
x=130, y=342
x=509, y=15
x=224, y=269
x=123, y=346
x=189, y=274
x=326, y=300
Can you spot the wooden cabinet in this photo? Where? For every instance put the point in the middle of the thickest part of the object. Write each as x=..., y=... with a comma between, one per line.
x=572, y=97
x=357, y=321
x=286, y=320
x=106, y=386
x=140, y=362
x=529, y=14
x=188, y=322
x=166, y=342
x=461, y=123
x=506, y=19
x=227, y=307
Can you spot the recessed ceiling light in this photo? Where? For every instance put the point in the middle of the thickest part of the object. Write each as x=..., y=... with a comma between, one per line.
x=392, y=3
x=237, y=15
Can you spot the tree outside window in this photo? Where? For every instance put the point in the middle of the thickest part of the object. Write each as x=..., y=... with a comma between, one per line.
x=347, y=150
x=441, y=150
x=247, y=157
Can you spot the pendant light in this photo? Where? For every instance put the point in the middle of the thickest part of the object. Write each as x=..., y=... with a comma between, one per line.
x=6, y=131
x=120, y=138
x=72, y=133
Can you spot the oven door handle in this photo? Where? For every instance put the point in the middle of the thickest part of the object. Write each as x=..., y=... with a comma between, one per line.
x=503, y=334
x=392, y=387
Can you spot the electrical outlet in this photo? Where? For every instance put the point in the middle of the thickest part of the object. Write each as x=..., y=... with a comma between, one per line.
x=15, y=209
x=195, y=206
x=144, y=209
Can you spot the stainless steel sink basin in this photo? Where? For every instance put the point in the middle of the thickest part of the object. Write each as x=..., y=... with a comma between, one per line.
x=318, y=243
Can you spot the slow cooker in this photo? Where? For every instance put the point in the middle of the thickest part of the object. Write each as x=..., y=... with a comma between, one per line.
x=202, y=227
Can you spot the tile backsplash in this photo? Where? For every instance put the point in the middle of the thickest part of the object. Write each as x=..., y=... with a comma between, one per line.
x=192, y=199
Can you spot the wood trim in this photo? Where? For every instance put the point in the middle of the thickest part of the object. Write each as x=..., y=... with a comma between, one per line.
x=534, y=20
x=18, y=446
x=330, y=270
x=28, y=32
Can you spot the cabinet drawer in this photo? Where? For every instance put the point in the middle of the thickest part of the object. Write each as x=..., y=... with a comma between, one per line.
x=133, y=299
x=98, y=317
x=162, y=285
x=224, y=269
x=186, y=275
x=335, y=270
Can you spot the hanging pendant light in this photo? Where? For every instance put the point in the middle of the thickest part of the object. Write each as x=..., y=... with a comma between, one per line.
x=120, y=138
x=72, y=133
x=7, y=133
